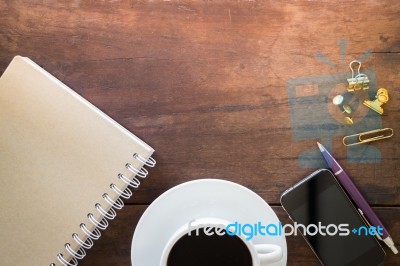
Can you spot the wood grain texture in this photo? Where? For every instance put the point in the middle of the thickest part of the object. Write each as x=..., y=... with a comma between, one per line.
x=205, y=84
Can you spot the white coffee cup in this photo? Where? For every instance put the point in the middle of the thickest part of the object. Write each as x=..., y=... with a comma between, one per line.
x=261, y=254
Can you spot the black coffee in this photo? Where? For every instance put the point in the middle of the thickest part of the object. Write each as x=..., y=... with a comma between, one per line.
x=205, y=250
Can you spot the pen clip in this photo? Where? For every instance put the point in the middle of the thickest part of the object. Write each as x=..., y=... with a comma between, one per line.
x=366, y=220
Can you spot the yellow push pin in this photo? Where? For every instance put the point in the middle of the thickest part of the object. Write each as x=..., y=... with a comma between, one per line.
x=348, y=121
x=382, y=97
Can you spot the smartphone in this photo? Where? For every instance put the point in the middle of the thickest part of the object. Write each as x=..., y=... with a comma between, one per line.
x=330, y=223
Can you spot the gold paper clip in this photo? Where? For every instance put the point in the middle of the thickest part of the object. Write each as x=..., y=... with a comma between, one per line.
x=368, y=136
x=358, y=82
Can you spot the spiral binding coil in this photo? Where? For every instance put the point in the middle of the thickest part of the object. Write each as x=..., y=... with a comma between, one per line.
x=107, y=215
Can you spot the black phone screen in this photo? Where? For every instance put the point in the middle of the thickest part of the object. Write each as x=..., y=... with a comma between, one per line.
x=333, y=227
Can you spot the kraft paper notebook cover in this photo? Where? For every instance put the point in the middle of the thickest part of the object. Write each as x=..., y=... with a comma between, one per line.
x=65, y=167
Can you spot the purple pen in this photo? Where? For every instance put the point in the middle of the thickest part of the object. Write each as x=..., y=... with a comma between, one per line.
x=356, y=196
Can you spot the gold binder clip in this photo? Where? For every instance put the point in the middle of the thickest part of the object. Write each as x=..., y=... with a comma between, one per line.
x=382, y=97
x=358, y=82
x=368, y=136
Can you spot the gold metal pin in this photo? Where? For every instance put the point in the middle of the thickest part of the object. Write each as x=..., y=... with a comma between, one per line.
x=368, y=136
x=347, y=109
x=382, y=96
x=359, y=81
x=348, y=121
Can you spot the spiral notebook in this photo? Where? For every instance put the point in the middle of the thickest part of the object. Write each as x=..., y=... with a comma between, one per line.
x=65, y=168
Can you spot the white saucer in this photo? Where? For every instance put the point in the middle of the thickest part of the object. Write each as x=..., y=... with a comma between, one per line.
x=197, y=199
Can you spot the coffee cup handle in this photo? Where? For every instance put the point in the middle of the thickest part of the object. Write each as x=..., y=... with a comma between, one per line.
x=268, y=253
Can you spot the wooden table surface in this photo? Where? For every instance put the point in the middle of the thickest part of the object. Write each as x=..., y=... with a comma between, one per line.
x=235, y=90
